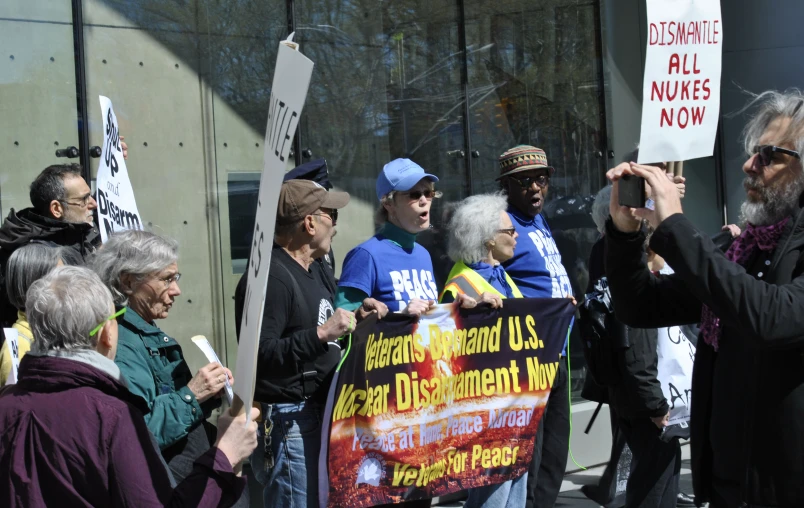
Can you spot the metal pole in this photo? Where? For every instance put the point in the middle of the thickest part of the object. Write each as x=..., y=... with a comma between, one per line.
x=467, y=134
x=81, y=88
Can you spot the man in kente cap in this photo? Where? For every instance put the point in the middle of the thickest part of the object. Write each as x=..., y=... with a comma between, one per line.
x=537, y=270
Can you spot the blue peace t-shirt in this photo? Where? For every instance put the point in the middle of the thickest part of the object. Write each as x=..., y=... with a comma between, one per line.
x=536, y=266
x=386, y=272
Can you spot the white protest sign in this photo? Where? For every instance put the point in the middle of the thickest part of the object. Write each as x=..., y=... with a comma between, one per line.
x=676, y=357
x=681, y=88
x=288, y=93
x=117, y=209
x=12, y=337
x=212, y=357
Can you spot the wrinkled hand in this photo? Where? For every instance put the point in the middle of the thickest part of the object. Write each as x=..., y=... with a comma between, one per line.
x=341, y=323
x=622, y=216
x=680, y=184
x=661, y=421
x=666, y=198
x=734, y=229
x=209, y=381
x=371, y=305
x=494, y=300
x=465, y=301
x=124, y=147
x=574, y=301
x=236, y=439
x=417, y=307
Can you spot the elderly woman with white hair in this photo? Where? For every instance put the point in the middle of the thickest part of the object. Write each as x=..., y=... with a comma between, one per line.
x=141, y=270
x=74, y=435
x=25, y=266
x=481, y=237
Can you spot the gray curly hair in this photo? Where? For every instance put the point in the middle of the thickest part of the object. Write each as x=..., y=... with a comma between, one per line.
x=474, y=223
x=136, y=253
x=772, y=105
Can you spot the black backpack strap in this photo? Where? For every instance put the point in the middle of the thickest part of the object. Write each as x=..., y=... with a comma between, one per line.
x=309, y=373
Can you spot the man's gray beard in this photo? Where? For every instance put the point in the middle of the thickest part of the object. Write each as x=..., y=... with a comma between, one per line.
x=774, y=204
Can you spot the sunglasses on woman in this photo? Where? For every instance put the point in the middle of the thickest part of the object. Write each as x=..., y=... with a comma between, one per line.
x=428, y=194
x=765, y=153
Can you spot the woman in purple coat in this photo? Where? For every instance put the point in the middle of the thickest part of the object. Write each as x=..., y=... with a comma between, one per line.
x=73, y=435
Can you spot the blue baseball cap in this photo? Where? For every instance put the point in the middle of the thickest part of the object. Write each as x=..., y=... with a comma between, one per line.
x=400, y=175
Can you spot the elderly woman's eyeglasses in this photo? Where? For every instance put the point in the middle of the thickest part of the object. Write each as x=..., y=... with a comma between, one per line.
x=765, y=153
x=171, y=279
x=113, y=316
x=508, y=231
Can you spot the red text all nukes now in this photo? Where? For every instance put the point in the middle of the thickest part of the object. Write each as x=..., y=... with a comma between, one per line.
x=683, y=82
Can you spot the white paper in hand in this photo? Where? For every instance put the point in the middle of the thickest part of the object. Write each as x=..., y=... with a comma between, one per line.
x=12, y=336
x=206, y=348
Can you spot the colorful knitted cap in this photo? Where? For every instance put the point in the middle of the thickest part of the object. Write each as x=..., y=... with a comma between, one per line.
x=522, y=158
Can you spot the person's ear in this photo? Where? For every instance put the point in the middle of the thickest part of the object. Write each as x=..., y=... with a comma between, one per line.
x=56, y=209
x=126, y=283
x=107, y=339
x=309, y=225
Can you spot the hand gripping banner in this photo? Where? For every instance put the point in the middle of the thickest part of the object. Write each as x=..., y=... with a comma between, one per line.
x=452, y=401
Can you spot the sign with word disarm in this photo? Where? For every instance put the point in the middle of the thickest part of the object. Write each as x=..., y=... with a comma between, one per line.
x=681, y=89
x=117, y=209
x=288, y=93
x=452, y=401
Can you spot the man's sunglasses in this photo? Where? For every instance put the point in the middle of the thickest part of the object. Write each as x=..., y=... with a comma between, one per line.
x=765, y=153
x=332, y=214
x=526, y=181
x=427, y=193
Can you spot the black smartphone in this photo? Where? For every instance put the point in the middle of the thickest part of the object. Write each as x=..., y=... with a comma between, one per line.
x=631, y=189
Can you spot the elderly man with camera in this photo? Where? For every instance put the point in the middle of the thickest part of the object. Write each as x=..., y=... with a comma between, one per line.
x=747, y=431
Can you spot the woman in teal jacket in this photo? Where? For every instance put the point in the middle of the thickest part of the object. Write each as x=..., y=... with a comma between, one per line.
x=141, y=270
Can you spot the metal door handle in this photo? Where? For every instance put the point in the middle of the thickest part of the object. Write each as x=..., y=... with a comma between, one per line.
x=475, y=154
x=307, y=153
x=95, y=152
x=460, y=154
x=70, y=152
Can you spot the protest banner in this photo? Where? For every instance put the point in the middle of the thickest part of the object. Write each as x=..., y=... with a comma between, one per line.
x=117, y=209
x=452, y=401
x=288, y=93
x=12, y=336
x=681, y=88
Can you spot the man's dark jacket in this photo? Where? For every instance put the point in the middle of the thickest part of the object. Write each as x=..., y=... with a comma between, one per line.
x=748, y=409
x=638, y=394
x=26, y=226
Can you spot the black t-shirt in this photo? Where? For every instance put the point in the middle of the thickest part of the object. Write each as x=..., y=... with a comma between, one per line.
x=289, y=341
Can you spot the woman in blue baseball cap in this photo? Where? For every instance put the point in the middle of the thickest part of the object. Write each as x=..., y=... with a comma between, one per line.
x=390, y=266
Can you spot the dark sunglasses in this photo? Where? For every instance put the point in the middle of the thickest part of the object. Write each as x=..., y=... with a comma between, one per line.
x=765, y=153
x=332, y=214
x=507, y=231
x=427, y=193
x=526, y=181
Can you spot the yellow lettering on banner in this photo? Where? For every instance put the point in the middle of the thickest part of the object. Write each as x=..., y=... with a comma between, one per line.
x=488, y=382
x=482, y=339
x=471, y=344
x=503, y=383
x=515, y=377
x=459, y=348
x=472, y=380
x=493, y=457
x=533, y=373
x=340, y=410
x=494, y=337
x=551, y=374
x=435, y=342
x=418, y=348
x=514, y=339
x=533, y=339
x=403, y=395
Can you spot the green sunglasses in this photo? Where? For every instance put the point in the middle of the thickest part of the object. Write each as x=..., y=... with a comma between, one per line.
x=113, y=316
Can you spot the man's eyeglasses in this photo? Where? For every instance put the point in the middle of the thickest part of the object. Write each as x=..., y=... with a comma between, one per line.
x=508, y=231
x=82, y=202
x=170, y=280
x=113, y=316
x=765, y=153
x=526, y=181
x=332, y=214
x=428, y=194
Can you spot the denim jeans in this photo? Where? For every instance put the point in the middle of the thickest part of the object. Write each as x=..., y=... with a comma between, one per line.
x=510, y=494
x=295, y=444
